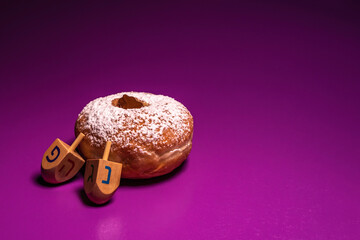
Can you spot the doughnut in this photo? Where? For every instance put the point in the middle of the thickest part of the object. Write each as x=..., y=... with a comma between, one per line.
x=151, y=134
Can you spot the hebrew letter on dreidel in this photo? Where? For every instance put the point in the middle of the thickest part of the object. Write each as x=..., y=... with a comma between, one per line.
x=52, y=154
x=109, y=174
x=71, y=168
x=92, y=173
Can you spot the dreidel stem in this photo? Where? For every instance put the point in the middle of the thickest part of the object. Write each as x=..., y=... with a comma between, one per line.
x=107, y=150
x=76, y=142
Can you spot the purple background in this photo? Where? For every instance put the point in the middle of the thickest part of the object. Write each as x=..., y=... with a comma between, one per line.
x=273, y=88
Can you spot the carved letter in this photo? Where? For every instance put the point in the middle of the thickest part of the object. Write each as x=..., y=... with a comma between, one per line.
x=71, y=168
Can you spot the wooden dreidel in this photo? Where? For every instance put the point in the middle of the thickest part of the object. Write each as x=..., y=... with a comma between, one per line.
x=102, y=177
x=60, y=161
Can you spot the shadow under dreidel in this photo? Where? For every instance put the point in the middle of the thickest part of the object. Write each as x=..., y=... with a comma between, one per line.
x=154, y=180
x=148, y=181
x=130, y=182
x=38, y=180
x=86, y=201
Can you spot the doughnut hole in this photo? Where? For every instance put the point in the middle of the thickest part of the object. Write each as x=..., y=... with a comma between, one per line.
x=128, y=102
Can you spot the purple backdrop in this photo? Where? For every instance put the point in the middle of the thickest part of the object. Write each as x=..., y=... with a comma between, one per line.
x=273, y=88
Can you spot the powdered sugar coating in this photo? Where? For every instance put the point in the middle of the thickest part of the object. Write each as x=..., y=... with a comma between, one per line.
x=148, y=126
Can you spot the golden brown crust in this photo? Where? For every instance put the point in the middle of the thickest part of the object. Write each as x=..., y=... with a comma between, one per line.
x=141, y=157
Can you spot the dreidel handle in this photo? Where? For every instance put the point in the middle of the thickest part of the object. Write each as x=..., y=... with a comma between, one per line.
x=76, y=142
x=107, y=150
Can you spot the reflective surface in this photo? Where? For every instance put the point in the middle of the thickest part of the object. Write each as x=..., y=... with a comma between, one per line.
x=273, y=88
